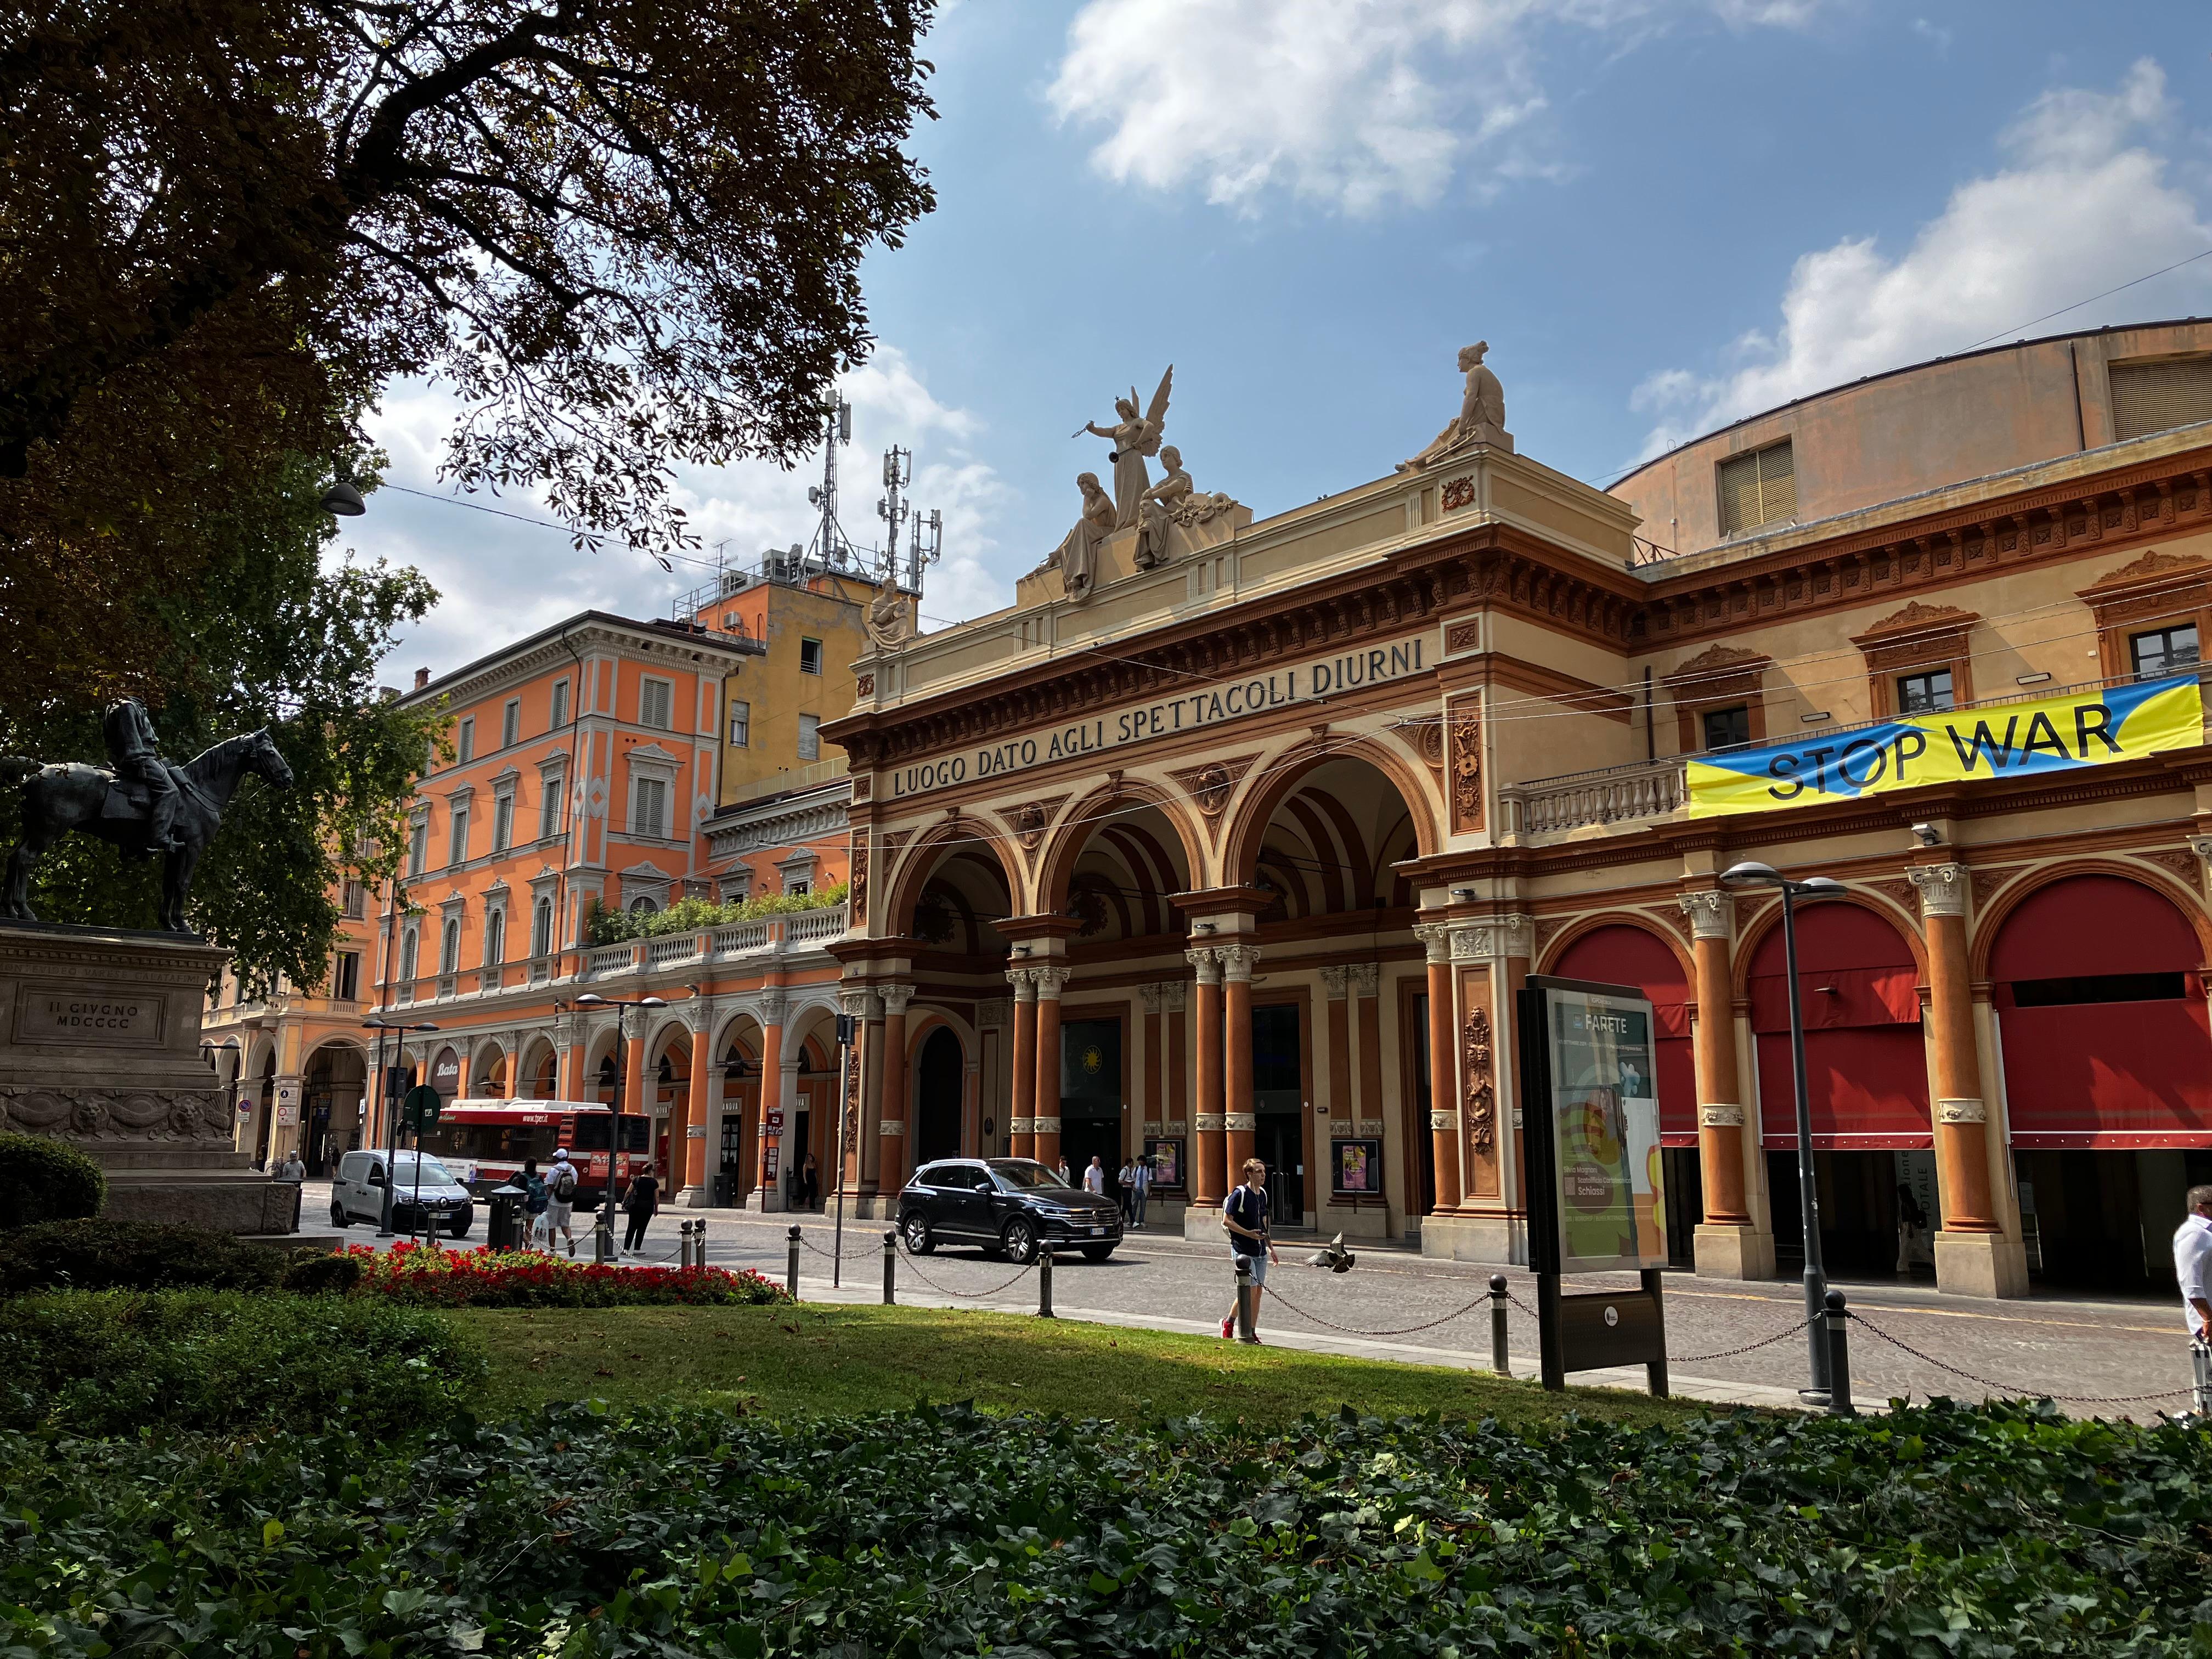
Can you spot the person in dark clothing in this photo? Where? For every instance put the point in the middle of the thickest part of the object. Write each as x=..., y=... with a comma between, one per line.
x=810, y=1184
x=640, y=1204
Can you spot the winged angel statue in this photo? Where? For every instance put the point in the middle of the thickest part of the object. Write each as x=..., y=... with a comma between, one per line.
x=1135, y=438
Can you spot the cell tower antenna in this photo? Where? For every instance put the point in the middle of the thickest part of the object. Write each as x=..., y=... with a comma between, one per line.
x=895, y=508
x=836, y=429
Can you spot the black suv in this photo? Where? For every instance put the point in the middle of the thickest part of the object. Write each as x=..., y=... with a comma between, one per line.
x=1008, y=1204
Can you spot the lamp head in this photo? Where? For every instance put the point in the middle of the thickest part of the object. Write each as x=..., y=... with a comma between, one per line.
x=426, y=1025
x=652, y=1002
x=1821, y=887
x=591, y=999
x=1750, y=874
x=345, y=501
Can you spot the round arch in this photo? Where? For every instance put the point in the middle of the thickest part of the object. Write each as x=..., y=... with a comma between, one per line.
x=1565, y=941
x=539, y=1069
x=1764, y=931
x=940, y=1073
x=1072, y=835
x=2018, y=891
x=946, y=840
x=1279, y=777
x=1624, y=947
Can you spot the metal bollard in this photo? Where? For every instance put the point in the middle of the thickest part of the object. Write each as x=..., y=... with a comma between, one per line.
x=1044, y=1282
x=1247, y=1292
x=891, y=1268
x=791, y=1273
x=1499, y=1361
x=1839, y=1359
x=603, y=1239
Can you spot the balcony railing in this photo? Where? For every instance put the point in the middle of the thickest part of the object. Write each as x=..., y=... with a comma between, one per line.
x=1612, y=794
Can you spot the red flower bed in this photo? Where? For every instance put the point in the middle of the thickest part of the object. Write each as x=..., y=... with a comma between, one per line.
x=485, y=1278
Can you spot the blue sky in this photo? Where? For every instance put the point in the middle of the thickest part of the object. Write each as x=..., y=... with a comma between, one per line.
x=1661, y=214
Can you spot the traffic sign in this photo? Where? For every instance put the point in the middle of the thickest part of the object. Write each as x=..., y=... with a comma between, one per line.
x=422, y=1107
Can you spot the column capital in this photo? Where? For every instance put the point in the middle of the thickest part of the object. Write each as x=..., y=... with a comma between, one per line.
x=1712, y=914
x=1050, y=982
x=1334, y=980
x=1024, y=983
x=1366, y=978
x=1174, y=996
x=1150, y=996
x=699, y=1014
x=895, y=998
x=1942, y=888
x=774, y=1003
x=1205, y=960
x=1435, y=936
x=1237, y=961
x=861, y=1003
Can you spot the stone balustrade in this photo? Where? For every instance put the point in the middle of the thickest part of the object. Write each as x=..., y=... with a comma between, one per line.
x=1615, y=795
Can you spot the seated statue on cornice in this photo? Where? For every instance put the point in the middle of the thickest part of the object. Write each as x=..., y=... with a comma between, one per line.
x=1173, y=502
x=1077, y=555
x=1482, y=415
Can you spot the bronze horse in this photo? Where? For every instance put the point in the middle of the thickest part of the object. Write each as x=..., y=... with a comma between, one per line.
x=71, y=795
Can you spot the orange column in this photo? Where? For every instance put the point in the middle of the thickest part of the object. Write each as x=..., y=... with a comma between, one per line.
x=1443, y=1074
x=1720, y=1095
x=1049, y=982
x=1021, y=1123
x=891, y=1114
x=769, y=1165
x=1210, y=1157
x=1238, y=1122
x=1962, y=1163
x=1339, y=1108
x=706, y=1083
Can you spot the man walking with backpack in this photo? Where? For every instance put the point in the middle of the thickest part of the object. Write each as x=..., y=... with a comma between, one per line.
x=559, y=1199
x=1244, y=1219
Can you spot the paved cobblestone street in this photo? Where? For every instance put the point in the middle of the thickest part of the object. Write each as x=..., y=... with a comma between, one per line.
x=2096, y=1348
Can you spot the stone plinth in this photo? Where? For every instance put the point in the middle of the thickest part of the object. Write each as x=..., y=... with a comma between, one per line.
x=100, y=1033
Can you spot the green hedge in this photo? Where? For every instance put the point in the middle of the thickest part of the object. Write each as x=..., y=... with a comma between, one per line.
x=101, y=1255
x=1933, y=1533
x=42, y=1179
x=115, y=1362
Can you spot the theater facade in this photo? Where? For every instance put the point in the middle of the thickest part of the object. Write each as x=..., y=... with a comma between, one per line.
x=1237, y=837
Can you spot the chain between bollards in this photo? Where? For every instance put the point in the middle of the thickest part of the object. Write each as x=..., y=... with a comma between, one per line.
x=1499, y=1301
x=890, y=1266
x=791, y=1272
x=1044, y=1281
x=1839, y=1357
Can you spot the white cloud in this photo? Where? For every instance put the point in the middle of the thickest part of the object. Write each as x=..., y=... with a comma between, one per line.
x=501, y=580
x=1355, y=104
x=2083, y=206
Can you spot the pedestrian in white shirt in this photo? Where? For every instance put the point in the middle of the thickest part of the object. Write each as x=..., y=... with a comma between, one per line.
x=1094, y=1178
x=2193, y=1268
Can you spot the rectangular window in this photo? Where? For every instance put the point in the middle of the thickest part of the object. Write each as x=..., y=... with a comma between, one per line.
x=356, y=902
x=2149, y=398
x=1924, y=694
x=345, y=977
x=467, y=750
x=655, y=699
x=809, y=656
x=418, y=847
x=549, y=805
x=559, y=706
x=410, y=944
x=652, y=818
x=541, y=928
x=1758, y=489
x=510, y=723
x=459, y=852
x=502, y=823
x=1728, y=728
x=2164, y=650
x=449, y=952
x=741, y=724
x=798, y=884
x=809, y=739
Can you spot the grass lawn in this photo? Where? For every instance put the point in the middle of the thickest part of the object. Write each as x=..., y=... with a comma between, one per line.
x=821, y=1360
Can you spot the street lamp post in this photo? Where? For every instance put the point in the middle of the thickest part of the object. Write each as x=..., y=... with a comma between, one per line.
x=391, y=1118
x=1809, y=1196
x=603, y=1248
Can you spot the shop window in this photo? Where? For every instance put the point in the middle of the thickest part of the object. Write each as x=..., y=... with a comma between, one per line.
x=1758, y=489
x=655, y=699
x=809, y=739
x=2164, y=651
x=1728, y=728
x=741, y=724
x=809, y=656
x=1924, y=694
x=2150, y=398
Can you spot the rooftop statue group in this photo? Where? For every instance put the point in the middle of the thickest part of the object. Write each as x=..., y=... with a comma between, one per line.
x=140, y=802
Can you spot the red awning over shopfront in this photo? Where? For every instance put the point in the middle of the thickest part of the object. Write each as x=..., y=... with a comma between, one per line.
x=1629, y=956
x=1866, y=1064
x=2132, y=1071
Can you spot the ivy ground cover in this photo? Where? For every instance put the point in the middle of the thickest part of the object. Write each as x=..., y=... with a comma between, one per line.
x=1936, y=1531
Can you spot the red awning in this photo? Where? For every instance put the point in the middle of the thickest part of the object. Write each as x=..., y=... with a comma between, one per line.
x=1867, y=1087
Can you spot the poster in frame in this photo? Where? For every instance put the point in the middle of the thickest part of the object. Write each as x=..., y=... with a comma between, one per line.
x=1166, y=1154
x=1355, y=1167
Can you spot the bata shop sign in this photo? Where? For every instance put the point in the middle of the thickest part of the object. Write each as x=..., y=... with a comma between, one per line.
x=1218, y=703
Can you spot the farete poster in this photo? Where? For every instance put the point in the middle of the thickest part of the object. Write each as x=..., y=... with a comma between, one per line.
x=1605, y=1133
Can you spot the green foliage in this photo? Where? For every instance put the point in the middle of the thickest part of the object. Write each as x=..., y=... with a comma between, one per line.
x=1938, y=1532
x=693, y=915
x=322, y=1275
x=116, y=1362
x=42, y=1179
x=268, y=633
x=107, y=1255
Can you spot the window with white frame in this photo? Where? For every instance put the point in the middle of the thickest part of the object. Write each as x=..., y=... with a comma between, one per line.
x=656, y=700
x=649, y=812
x=345, y=977
x=553, y=792
x=458, y=853
x=810, y=737
x=503, y=820
x=560, y=716
x=418, y=847
x=741, y=724
x=541, y=928
x=809, y=656
x=495, y=938
x=510, y=723
x=409, y=950
x=356, y=901
x=467, y=750
x=449, y=950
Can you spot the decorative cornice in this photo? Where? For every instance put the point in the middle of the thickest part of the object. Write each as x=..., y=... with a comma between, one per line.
x=1915, y=622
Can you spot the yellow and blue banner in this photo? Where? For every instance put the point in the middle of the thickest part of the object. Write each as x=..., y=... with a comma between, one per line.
x=2065, y=733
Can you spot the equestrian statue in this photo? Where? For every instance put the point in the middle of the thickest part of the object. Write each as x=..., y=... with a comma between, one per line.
x=140, y=803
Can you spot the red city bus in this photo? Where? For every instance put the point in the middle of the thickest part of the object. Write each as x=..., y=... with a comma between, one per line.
x=483, y=1142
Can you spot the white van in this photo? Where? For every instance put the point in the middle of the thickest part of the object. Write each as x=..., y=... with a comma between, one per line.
x=357, y=1194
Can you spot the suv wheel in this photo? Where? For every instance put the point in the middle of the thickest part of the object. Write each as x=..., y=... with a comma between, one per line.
x=1020, y=1241
x=338, y=1216
x=919, y=1239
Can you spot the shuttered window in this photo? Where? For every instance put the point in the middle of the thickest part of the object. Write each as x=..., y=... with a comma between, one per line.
x=653, y=697
x=1758, y=489
x=2158, y=397
x=652, y=818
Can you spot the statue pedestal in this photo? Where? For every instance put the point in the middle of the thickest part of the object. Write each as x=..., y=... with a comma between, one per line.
x=100, y=1033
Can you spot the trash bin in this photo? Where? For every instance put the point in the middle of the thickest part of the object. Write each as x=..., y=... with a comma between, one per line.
x=504, y=1231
